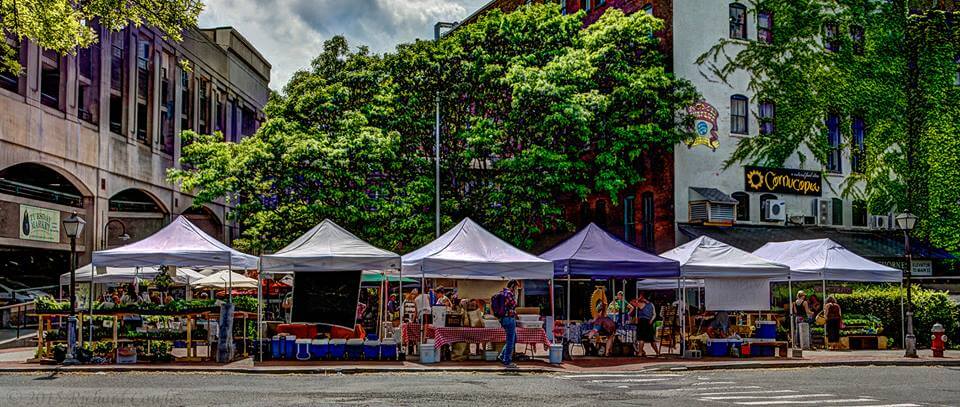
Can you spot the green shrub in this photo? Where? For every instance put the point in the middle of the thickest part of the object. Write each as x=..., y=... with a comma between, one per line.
x=883, y=302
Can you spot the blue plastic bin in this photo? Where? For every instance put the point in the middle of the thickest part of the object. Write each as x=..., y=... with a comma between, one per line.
x=371, y=349
x=319, y=348
x=303, y=349
x=290, y=347
x=276, y=347
x=766, y=330
x=354, y=349
x=388, y=349
x=718, y=347
x=338, y=348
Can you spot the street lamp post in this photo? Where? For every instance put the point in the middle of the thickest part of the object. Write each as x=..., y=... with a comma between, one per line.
x=72, y=227
x=906, y=222
x=436, y=141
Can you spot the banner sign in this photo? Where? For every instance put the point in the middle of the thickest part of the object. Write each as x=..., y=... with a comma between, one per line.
x=921, y=268
x=39, y=224
x=783, y=181
x=704, y=125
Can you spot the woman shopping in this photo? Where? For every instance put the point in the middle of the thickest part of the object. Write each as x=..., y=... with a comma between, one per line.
x=831, y=311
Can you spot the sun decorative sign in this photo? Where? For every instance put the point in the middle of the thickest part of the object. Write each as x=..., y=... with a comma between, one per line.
x=783, y=181
x=704, y=125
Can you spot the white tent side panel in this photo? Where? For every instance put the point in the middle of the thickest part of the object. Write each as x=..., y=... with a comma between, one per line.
x=737, y=294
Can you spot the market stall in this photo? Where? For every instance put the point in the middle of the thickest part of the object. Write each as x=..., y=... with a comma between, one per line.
x=733, y=279
x=469, y=252
x=341, y=257
x=824, y=260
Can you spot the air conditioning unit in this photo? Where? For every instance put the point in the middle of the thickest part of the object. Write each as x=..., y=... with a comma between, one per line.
x=775, y=210
x=823, y=211
x=882, y=222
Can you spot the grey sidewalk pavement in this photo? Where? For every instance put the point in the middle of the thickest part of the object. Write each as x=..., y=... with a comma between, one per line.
x=14, y=360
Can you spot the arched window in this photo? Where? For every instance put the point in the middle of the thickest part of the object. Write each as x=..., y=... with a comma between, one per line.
x=630, y=219
x=859, y=153
x=767, y=112
x=763, y=206
x=35, y=181
x=833, y=139
x=765, y=27
x=584, y=214
x=648, y=242
x=743, y=206
x=738, y=21
x=600, y=213
x=739, y=114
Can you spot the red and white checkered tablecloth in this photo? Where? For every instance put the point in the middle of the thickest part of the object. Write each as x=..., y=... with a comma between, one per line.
x=411, y=333
x=446, y=336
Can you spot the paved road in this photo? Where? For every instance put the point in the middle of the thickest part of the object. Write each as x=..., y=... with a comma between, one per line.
x=891, y=386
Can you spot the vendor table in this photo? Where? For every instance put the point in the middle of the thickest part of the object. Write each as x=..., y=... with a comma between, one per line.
x=449, y=335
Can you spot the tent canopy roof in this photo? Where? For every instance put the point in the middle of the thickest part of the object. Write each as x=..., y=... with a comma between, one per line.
x=704, y=257
x=468, y=251
x=224, y=279
x=595, y=252
x=181, y=243
x=127, y=275
x=818, y=259
x=329, y=247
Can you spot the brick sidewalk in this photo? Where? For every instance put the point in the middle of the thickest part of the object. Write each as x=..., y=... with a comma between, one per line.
x=13, y=360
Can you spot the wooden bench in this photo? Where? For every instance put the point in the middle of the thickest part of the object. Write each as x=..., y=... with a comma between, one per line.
x=781, y=346
x=856, y=342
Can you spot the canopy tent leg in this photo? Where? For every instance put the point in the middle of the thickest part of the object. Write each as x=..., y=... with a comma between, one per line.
x=681, y=311
x=90, y=302
x=790, y=307
x=259, y=310
x=230, y=280
x=569, y=288
x=552, y=310
x=423, y=324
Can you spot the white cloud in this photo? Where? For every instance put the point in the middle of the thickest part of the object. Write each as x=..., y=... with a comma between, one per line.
x=290, y=33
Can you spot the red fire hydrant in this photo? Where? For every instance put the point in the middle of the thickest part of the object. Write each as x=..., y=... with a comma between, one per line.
x=939, y=340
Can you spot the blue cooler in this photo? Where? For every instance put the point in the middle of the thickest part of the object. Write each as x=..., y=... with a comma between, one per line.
x=371, y=349
x=388, y=349
x=276, y=347
x=338, y=348
x=319, y=348
x=355, y=349
x=290, y=347
x=303, y=349
x=718, y=347
x=766, y=330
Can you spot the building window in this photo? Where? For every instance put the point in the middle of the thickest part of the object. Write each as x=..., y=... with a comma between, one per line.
x=739, y=114
x=220, y=114
x=186, y=101
x=859, y=213
x=585, y=5
x=859, y=153
x=11, y=80
x=830, y=39
x=118, y=41
x=144, y=76
x=743, y=206
x=167, y=69
x=204, y=113
x=248, y=122
x=837, y=212
x=648, y=242
x=584, y=214
x=88, y=84
x=600, y=213
x=738, y=21
x=630, y=219
x=763, y=206
x=833, y=140
x=50, y=78
x=767, y=111
x=765, y=27
x=856, y=35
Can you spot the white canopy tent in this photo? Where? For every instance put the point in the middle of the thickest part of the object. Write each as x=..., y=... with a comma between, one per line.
x=470, y=252
x=329, y=247
x=113, y=275
x=225, y=279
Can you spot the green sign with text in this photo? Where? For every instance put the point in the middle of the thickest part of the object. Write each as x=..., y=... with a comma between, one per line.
x=39, y=224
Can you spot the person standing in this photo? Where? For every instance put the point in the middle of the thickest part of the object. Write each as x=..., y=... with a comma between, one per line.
x=504, y=306
x=834, y=318
x=646, y=315
x=802, y=314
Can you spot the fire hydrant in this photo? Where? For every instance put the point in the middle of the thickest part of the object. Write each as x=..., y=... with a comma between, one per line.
x=938, y=340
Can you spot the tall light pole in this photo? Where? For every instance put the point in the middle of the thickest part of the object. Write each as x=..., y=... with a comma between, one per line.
x=906, y=222
x=72, y=227
x=436, y=140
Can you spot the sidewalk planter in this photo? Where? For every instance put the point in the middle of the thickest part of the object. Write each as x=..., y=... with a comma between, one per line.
x=338, y=348
x=371, y=349
x=354, y=349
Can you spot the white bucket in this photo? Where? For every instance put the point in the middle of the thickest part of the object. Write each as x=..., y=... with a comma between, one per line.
x=428, y=354
x=556, y=354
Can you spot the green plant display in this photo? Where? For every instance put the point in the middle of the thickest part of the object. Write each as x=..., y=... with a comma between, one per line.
x=882, y=306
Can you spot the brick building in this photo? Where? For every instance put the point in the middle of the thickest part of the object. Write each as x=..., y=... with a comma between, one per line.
x=96, y=132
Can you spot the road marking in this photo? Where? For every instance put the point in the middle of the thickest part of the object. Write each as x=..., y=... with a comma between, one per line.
x=770, y=402
x=639, y=374
x=892, y=405
x=788, y=396
x=723, y=393
x=629, y=380
x=711, y=383
x=725, y=388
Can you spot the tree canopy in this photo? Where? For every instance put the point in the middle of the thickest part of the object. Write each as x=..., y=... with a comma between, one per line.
x=536, y=109
x=64, y=25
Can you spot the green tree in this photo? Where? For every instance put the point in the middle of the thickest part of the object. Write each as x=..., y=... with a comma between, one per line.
x=63, y=25
x=536, y=110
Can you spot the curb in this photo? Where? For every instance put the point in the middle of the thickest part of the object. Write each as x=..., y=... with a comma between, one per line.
x=437, y=369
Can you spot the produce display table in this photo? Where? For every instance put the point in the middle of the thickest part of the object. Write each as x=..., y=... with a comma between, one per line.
x=449, y=335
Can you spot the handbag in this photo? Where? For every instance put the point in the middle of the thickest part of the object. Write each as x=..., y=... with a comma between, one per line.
x=821, y=319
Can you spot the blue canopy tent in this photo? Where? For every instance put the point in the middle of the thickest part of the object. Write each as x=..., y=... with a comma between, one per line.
x=594, y=252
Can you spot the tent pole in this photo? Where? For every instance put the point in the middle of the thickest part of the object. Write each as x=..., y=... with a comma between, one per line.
x=681, y=304
x=790, y=310
x=552, y=310
x=569, y=288
x=230, y=280
x=259, y=308
x=423, y=291
x=90, y=296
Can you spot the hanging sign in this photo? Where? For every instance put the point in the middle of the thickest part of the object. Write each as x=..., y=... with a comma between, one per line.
x=783, y=181
x=704, y=125
x=39, y=224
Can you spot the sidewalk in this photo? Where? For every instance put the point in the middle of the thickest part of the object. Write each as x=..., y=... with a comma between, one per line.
x=13, y=360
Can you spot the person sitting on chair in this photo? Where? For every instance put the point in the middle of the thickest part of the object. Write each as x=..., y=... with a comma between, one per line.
x=602, y=326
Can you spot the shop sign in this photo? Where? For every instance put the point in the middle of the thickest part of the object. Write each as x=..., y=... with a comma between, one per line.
x=783, y=181
x=39, y=224
x=921, y=268
x=704, y=125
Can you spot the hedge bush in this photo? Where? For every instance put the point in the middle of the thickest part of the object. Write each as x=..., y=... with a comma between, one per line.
x=929, y=307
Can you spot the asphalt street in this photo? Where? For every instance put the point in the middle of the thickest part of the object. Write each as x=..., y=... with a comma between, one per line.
x=841, y=386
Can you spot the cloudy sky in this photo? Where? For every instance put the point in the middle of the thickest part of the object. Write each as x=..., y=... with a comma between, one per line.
x=289, y=33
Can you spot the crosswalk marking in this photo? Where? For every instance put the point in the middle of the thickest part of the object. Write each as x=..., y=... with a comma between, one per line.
x=771, y=402
x=711, y=383
x=601, y=375
x=724, y=393
x=788, y=396
x=725, y=388
x=892, y=405
x=653, y=379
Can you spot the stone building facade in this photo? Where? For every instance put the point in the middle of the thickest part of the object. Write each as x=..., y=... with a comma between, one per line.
x=95, y=133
